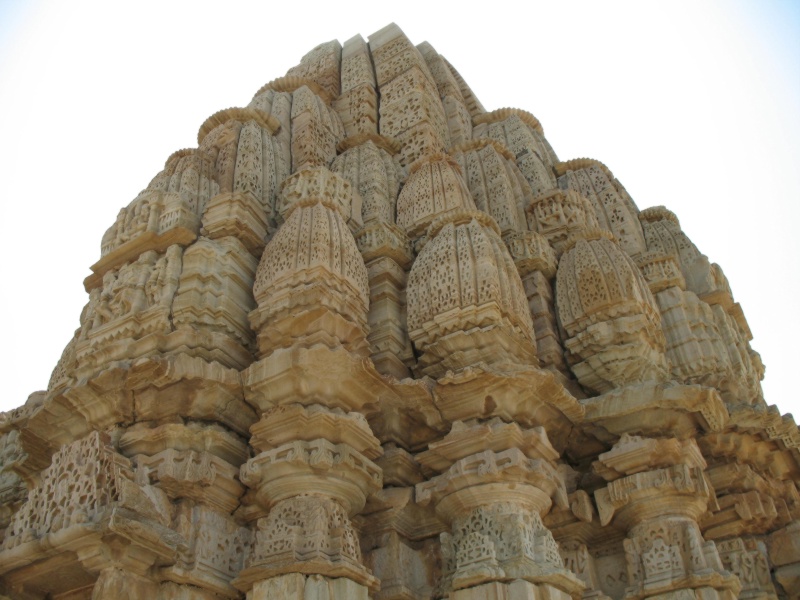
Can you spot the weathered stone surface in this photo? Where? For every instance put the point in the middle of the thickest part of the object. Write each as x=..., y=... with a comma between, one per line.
x=369, y=340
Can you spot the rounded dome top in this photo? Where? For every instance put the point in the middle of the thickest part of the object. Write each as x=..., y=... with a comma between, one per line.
x=434, y=187
x=597, y=281
x=495, y=182
x=314, y=238
x=576, y=164
x=242, y=115
x=504, y=113
x=464, y=268
x=658, y=213
x=291, y=83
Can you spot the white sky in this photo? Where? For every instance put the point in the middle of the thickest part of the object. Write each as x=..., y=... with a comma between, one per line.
x=692, y=104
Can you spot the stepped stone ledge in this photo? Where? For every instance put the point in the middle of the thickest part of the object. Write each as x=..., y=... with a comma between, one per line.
x=370, y=340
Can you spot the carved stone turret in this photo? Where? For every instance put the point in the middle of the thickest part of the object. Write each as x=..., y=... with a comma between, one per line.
x=611, y=321
x=467, y=306
x=369, y=340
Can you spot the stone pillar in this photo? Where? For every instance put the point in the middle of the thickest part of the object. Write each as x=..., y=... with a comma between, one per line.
x=196, y=466
x=387, y=254
x=495, y=482
x=313, y=473
x=312, y=468
x=657, y=491
x=576, y=529
x=536, y=263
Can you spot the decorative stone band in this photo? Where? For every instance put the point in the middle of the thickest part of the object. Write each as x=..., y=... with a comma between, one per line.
x=332, y=377
x=496, y=435
x=460, y=217
x=661, y=271
x=291, y=83
x=238, y=215
x=378, y=240
x=292, y=422
x=306, y=534
x=525, y=394
x=183, y=152
x=482, y=143
x=589, y=234
x=391, y=145
x=483, y=323
x=778, y=427
x=752, y=513
x=318, y=185
x=658, y=409
x=633, y=454
x=658, y=213
x=576, y=164
x=678, y=490
x=200, y=476
x=311, y=291
x=319, y=467
x=501, y=114
x=532, y=482
x=194, y=435
x=434, y=158
x=531, y=252
x=264, y=120
x=155, y=221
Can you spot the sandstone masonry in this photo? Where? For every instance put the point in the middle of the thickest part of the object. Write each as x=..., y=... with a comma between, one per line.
x=370, y=340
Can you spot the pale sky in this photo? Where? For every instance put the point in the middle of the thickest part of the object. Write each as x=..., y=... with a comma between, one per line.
x=692, y=104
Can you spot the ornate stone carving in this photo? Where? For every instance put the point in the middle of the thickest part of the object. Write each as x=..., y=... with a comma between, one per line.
x=495, y=182
x=318, y=183
x=218, y=302
x=609, y=315
x=316, y=129
x=372, y=173
x=293, y=469
x=521, y=133
x=84, y=482
x=322, y=66
x=747, y=559
x=215, y=551
x=133, y=304
x=311, y=271
x=558, y=214
x=410, y=108
x=369, y=340
x=434, y=188
x=466, y=307
x=614, y=208
x=307, y=534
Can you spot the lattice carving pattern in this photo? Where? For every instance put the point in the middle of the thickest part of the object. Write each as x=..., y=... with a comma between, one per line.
x=366, y=324
x=78, y=487
x=465, y=265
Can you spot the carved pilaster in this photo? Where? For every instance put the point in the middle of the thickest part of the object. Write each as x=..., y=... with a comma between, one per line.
x=657, y=493
x=492, y=540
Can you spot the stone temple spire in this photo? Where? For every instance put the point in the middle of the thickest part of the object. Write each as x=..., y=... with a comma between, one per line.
x=369, y=339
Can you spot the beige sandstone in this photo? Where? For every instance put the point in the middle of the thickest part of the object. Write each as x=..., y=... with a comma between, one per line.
x=371, y=340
